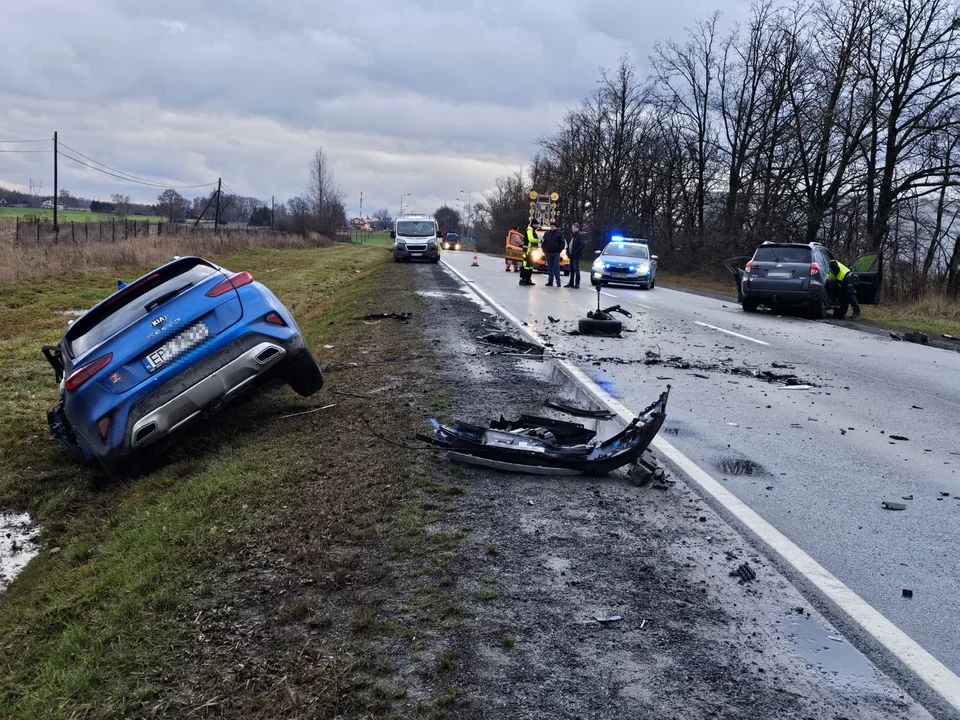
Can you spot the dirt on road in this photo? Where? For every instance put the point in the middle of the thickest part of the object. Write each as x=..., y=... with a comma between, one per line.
x=549, y=562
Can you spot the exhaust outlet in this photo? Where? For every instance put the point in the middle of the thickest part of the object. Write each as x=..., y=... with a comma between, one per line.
x=144, y=432
x=267, y=354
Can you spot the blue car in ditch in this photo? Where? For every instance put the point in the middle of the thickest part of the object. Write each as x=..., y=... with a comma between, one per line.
x=168, y=349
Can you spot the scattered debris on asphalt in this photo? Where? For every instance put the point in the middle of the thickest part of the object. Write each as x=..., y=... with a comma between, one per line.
x=548, y=447
x=552, y=319
x=914, y=337
x=646, y=470
x=401, y=316
x=907, y=593
x=899, y=437
x=503, y=339
x=745, y=573
x=601, y=320
x=890, y=505
x=579, y=411
x=307, y=412
x=908, y=497
x=608, y=620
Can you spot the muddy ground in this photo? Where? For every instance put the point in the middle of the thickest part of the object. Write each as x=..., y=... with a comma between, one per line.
x=546, y=556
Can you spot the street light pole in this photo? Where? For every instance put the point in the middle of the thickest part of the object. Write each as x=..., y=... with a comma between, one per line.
x=469, y=209
x=401, y=201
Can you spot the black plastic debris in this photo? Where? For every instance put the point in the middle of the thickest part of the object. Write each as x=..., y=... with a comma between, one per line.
x=914, y=337
x=528, y=448
x=552, y=319
x=907, y=593
x=899, y=437
x=601, y=320
x=401, y=316
x=579, y=411
x=908, y=497
x=890, y=505
x=745, y=573
x=509, y=341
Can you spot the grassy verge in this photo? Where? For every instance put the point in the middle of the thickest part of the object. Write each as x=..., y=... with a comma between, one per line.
x=276, y=565
x=64, y=216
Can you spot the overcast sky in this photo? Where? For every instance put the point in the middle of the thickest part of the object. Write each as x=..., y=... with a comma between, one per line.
x=406, y=96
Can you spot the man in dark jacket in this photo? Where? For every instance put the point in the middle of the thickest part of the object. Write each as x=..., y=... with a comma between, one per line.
x=553, y=244
x=575, y=254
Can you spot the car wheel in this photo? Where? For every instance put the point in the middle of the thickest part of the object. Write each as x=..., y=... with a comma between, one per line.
x=820, y=306
x=749, y=305
x=653, y=282
x=115, y=469
x=303, y=374
x=396, y=259
x=589, y=326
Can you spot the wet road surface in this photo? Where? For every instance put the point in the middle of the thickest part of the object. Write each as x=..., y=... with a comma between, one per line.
x=878, y=422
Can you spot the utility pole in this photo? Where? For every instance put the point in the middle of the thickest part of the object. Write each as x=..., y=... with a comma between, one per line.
x=55, y=153
x=216, y=218
x=361, y=204
x=273, y=212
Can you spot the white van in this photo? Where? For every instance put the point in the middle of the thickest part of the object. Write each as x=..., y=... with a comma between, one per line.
x=415, y=237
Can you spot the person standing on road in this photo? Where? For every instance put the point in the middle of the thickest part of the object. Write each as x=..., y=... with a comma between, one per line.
x=553, y=245
x=844, y=290
x=575, y=255
x=532, y=240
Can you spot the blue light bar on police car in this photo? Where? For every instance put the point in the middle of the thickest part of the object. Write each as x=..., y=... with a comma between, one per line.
x=617, y=238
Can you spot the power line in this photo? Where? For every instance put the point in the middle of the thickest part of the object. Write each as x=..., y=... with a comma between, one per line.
x=126, y=175
x=134, y=180
x=26, y=151
x=25, y=141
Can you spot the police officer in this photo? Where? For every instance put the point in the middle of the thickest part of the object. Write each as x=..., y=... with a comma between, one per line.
x=844, y=291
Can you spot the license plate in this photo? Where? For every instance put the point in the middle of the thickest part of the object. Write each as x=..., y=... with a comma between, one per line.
x=175, y=347
x=620, y=275
x=416, y=254
x=779, y=274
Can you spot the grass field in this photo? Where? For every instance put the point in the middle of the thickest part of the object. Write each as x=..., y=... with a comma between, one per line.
x=64, y=216
x=278, y=564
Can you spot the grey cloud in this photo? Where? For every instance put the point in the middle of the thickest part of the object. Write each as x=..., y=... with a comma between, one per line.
x=421, y=96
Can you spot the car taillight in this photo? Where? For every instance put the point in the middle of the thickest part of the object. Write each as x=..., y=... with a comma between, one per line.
x=233, y=282
x=814, y=269
x=103, y=426
x=748, y=266
x=79, y=376
x=274, y=319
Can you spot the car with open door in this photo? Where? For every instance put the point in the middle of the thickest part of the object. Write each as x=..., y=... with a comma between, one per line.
x=783, y=275
x=166, y=350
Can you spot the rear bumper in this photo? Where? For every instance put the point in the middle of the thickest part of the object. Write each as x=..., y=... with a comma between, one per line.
x=787, y=297
x=207, y=394
x=142, y=418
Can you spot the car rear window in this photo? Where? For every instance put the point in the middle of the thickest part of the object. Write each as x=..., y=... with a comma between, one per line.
x=113, y=315
x=782, y=254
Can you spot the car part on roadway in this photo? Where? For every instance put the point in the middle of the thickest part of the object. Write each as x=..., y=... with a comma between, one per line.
x=548, y=447
x=578, y=411
x=601, y=321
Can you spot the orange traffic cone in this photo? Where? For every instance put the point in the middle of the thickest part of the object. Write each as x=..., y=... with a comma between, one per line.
x=474, y=263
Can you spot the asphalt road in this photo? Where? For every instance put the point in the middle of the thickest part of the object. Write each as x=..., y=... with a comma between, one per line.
x=815, y=463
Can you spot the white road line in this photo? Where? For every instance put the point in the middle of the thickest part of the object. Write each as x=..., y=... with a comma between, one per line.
x=607, y=294
x=930, y=670
x=634, y=302
x=731, y=332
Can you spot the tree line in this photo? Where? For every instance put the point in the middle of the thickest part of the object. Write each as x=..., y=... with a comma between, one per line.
x=831, y=121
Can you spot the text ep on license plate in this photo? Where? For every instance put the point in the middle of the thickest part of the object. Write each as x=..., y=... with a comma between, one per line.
x=416, y=254
x=780, y=274
x=619, y=275
x=175, y=347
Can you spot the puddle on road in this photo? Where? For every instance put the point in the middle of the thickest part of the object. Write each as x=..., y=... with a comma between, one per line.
x=741, y=467
x=17, y=545
x=834, y=656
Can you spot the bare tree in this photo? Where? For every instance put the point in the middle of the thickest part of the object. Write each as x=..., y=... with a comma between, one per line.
x=171, y=205
x=326, y=197
x=383, y=215
x=121, y=204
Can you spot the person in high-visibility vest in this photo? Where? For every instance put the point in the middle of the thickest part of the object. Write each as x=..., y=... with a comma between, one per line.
x=532, y=241
x=845, y=292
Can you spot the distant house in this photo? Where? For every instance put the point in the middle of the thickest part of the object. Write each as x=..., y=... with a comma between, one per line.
x=3, y=203
x=47, y=204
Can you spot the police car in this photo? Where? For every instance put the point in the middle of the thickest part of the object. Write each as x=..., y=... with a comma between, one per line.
x=625, y=261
